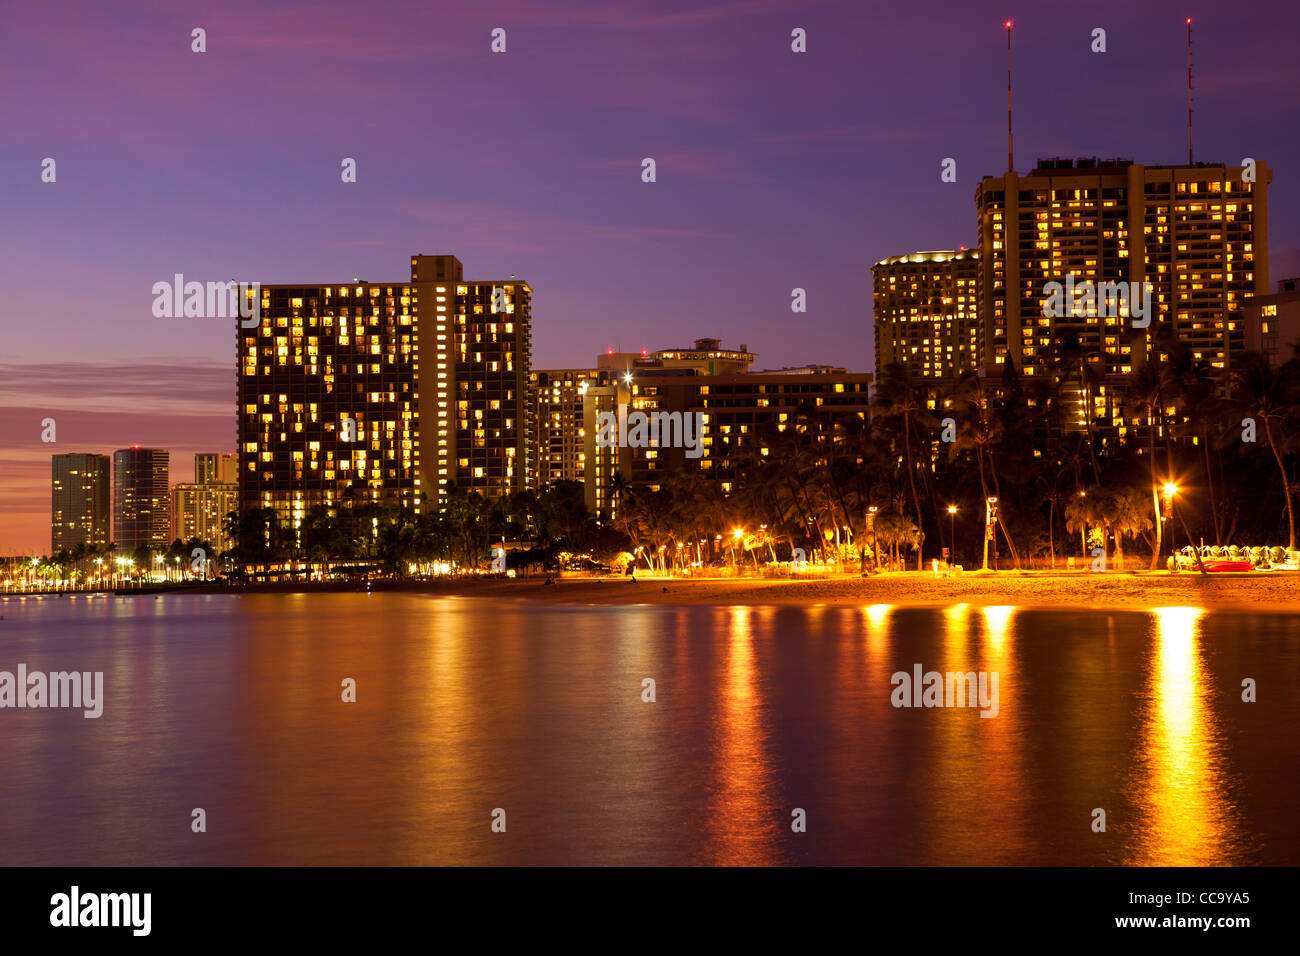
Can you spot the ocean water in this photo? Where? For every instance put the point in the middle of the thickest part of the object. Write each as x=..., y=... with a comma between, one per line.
x=773, y=736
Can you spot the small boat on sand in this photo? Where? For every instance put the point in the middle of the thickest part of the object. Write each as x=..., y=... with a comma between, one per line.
x=1220, y=565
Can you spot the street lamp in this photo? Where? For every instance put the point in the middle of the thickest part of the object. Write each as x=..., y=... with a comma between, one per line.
x=871, y=529
x=990, y=516
x=952, y=532
x=1167, y=492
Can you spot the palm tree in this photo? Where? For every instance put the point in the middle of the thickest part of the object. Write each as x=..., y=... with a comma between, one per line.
x=899, y=406
x=1049, y=481
x=1270, y=397
x=983, y=431
x=1198, y=383
x=1069, y=361
x=1083, y=512
x=1149, y=390
x=1127, y=515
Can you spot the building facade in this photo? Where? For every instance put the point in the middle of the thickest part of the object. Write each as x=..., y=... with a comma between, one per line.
x=704, y=357
x=559, y=427
x=1273, y=323
x=1197, y=233
x=212, y=468
x=141, y=499
x=387, y=393
x=79, y=501
x=199, y=511
x=477, y=404
x=925, y=310
x=740, y=418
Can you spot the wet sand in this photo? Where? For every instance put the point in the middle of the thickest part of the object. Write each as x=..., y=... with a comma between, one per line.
x=1257, y=591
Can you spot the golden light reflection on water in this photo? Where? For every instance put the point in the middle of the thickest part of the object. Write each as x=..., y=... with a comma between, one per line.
x=997, y=623
x=1002, y=760
x=875, y=663
x=877, y=621
x=953, y=782
x=1183, y=817
x=740, y=813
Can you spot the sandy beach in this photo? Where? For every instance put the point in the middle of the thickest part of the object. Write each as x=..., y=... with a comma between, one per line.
x=1258, y=591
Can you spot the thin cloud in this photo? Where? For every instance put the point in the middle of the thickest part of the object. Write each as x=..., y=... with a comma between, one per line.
x=184, y=389
x=506, y=229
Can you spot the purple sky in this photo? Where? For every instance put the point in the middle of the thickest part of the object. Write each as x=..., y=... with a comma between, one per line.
x=775, y=170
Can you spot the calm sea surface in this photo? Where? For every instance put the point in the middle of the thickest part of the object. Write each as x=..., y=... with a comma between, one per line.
x=233, y=704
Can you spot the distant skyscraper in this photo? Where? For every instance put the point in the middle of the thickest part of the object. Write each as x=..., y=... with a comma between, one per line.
x=79, y=500
x=925, y=312
x=214, y=467
x=384, y=392
x=140, y=498
x=1198, y=233
x=199, y=511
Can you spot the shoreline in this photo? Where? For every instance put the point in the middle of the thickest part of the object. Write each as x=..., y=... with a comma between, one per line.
x=1254, y=590
x=1276, y=591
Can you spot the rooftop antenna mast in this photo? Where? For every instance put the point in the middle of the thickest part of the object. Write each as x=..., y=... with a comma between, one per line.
x=1011, y=162
x=1189, y=91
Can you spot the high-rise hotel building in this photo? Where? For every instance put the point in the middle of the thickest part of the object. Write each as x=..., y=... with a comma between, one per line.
x=1198, y=233
x=141, y=499
x=79, y=501
x=384, y=392
x=476, y=391
x=925, y=308
x=560, y=424
x=742, y=418
x=559, y=428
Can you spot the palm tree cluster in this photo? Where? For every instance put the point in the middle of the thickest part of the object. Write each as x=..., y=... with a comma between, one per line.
x=463, y=534
x=1042, y=446
x=1225, y=442
x=84, y=564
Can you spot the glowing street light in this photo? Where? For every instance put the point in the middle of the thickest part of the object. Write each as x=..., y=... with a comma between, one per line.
x=1167, y=492
x=952, y=532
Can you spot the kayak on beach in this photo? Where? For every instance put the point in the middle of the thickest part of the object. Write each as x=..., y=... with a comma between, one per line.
x=1228, y=566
